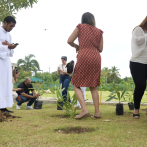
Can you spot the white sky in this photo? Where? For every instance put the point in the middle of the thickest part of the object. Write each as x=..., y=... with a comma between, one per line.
x=116, y=18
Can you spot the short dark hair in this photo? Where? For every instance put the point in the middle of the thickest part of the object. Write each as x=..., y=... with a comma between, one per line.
x=10, y=19
x=88, y=18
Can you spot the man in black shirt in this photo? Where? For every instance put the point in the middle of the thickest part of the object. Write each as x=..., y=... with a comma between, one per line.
x=24, y=96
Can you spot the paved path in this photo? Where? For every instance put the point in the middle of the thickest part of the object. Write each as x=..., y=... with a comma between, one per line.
x=50, y=100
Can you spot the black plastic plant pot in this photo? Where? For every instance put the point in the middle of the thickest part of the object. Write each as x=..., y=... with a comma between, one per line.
x=131, y=106
x=119, y=109
x=61, y=104
x=38, y=104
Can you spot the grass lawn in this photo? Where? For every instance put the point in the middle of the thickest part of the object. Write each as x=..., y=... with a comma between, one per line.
x=36, y=129
x=104, y=96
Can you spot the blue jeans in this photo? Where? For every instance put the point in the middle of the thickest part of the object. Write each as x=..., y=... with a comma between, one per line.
x=24, y=99
x=65, y=80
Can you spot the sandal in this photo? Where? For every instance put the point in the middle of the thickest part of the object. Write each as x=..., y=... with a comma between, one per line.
x=95, y=117
x=82, y=116
x=137, y=116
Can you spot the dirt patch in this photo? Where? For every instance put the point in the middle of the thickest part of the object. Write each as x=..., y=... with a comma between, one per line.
x=61, y=116
x=143, y=109
x=130, y=113
x=5, y=116
x=76, y=130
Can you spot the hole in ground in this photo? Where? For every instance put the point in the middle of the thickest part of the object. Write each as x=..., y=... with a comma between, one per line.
x=61, y=116
x=77, y=130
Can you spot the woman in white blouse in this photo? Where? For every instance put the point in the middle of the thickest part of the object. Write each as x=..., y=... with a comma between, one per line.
x=138, y=63
x=64, y=77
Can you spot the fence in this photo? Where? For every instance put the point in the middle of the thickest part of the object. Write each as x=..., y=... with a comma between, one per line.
x=48, y=86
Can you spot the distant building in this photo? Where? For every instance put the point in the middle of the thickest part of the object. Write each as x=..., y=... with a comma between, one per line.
x=13, y=65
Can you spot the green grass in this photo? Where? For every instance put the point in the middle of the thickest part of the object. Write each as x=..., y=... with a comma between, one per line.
x=104, y=96
x=36, y=129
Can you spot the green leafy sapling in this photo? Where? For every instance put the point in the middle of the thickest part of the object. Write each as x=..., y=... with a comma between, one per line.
x=68, y=106
x=116, y=92
x=40, y=88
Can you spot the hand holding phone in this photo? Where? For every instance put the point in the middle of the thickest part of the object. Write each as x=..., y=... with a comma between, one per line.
x=12, y=46
x=16, y=44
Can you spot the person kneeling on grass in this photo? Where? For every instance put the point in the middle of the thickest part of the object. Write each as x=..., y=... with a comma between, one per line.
x=24, y=95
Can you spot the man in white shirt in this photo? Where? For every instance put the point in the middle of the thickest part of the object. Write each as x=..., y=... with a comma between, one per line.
x=6, y=51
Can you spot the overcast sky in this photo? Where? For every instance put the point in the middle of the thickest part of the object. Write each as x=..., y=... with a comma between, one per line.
x=116, y=18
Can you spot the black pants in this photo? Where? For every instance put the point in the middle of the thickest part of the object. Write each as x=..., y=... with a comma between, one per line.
x=139, y=74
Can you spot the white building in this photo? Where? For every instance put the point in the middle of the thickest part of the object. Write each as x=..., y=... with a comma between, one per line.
x=13, y=65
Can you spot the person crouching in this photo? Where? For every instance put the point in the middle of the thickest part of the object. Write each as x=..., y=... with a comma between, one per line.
x=24, y=95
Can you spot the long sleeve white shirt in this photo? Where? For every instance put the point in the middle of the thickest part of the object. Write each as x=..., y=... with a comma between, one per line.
x=6, y=86
x=4, y=51
x=139, y=46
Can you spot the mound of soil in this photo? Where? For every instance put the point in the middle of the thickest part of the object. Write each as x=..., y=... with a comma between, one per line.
x=77, y=130
x=5, y=116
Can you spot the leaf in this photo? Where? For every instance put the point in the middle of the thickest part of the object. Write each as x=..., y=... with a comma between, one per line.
x=110, y=99
x=60, y=106
x=123, y=93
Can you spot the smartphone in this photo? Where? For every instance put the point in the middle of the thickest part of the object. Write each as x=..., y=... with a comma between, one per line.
x=16, y=44
x=58, y=68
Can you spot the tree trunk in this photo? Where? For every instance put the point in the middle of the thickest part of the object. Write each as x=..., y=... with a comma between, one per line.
x=113, y=80
x=106, y=79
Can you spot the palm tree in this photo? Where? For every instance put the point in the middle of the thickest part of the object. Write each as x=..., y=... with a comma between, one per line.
x=114, y=73
x=28, y=63
x=105, y=72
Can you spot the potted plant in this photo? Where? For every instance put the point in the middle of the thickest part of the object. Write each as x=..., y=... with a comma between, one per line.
x=60, y=105
x=67, y=106
x=39, y=87
x=117, y=93
x=129, y=95
x=57, y=92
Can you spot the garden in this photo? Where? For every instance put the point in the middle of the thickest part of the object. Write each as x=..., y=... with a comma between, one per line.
x=49, y=127
x=53, y=125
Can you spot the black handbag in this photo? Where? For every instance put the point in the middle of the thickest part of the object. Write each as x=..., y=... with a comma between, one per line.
x=70, y=67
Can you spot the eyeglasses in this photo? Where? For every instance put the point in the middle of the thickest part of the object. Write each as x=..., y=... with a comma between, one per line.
x=16, y=69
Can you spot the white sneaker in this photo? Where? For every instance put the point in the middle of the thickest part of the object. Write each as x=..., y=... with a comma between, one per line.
x=76, y=106
x=29, y=107
x=17, y=107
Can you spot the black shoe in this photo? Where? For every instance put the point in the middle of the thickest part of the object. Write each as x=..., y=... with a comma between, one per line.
x=2, y=110
x=6, y=110
x=136, y=116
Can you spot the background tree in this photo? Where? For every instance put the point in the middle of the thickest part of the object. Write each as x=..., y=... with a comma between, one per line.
x=57, y=81
x=102, y=79
x=106, y=73
x=46, y=77
x=55, y=76
x=23, y=75
x=10, y=7
x=114, y=73
x=28, y=63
